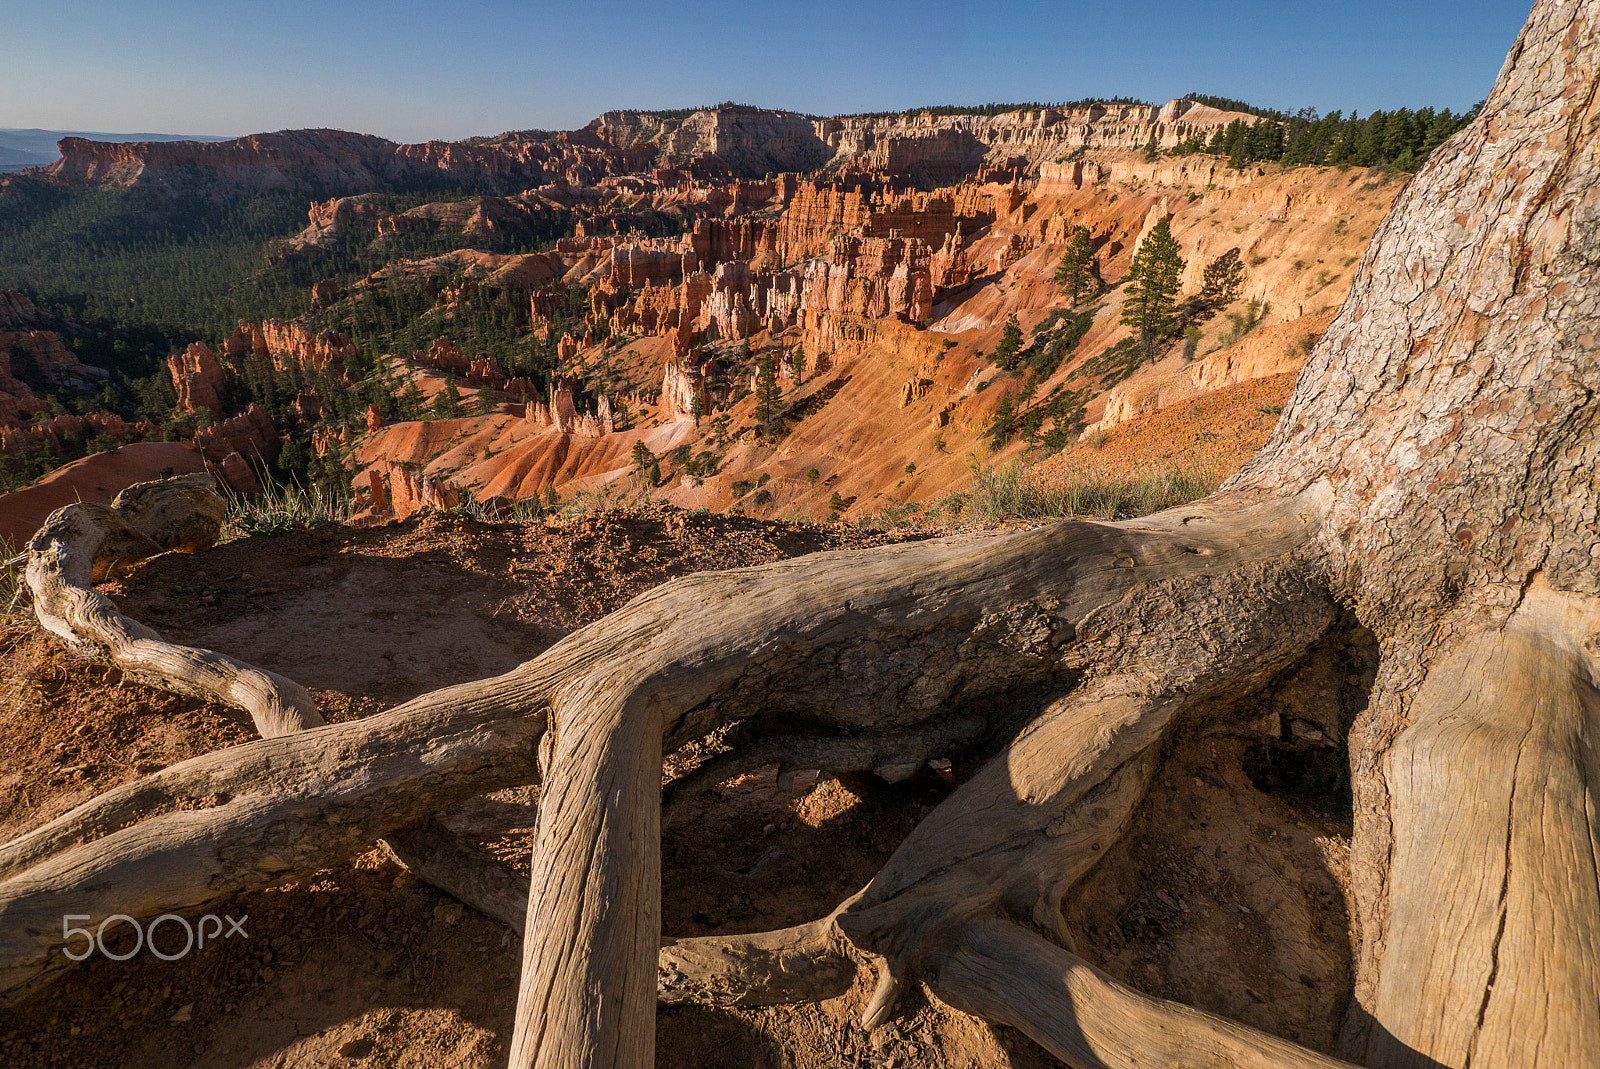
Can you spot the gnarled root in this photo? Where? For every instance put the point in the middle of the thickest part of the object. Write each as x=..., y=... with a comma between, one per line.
x=1004, y=973
x=1042, y=604
x=806, y=963
x=260, y=814
x=84, y=542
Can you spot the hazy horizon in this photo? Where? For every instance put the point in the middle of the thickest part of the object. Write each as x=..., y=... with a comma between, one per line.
x=411, y=72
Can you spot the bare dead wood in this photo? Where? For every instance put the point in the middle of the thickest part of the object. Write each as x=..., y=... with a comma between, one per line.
x=1007, y=974
x=806, y=963
x=1009, y=605
x=893, y=757
x=258, y=815
x=84, y=542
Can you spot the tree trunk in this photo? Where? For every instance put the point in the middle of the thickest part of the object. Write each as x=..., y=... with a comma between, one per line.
x=1434, y=475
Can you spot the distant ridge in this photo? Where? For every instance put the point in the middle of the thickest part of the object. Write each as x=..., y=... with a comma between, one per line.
x=31, y=147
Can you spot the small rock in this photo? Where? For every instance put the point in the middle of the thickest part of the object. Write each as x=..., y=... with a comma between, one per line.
x=897, y=771
x=806, y=778
x=357, y=1048
x=447, y=913
x=185, y=1013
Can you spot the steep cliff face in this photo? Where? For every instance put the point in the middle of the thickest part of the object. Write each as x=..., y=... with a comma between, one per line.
x=937, y=148
x=16, y=311
x=948, y=146
x=335, y=161
x=748, y=141
x=287, y=341
x=199, y=378
x=34, y=360
x=818, y=212
x=859, y=284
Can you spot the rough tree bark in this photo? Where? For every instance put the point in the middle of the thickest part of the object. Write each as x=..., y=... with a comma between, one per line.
x=1434, y=475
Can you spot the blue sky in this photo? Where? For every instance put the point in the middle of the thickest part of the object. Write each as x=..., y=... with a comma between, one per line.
x=412, y=71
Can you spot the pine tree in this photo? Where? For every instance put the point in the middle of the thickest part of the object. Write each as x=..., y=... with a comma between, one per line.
x=486, y=400
x=1009, y=349
x=642, y=457
x=769, y=402
x=1152, y=286
x=412, y=405
x=447, y=402
x=797, y=361
x=1003, y=421
x=1075, y=275
x=1223, y=279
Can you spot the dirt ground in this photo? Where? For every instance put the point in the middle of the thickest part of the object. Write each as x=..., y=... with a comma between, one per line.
x=1229, y=894
x=1216, y=431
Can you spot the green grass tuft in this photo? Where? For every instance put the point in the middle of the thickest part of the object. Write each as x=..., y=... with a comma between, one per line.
x=1014, y=493
x=280, y=507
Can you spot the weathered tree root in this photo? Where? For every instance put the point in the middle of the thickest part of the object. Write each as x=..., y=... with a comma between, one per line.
x=1497, y=886
x=806, y=963
x=1121, y=596
x=1007, y=974
x=894, y=757
x=84, y=542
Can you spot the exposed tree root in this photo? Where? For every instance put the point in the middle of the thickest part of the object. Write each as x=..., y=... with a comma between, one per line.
x=806, y=963
x=1435, y=468
x=1027, y=827
x=1005, y=973
x=893, y=757
x=259, y=814
x=439, y=856
x=85, y=542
